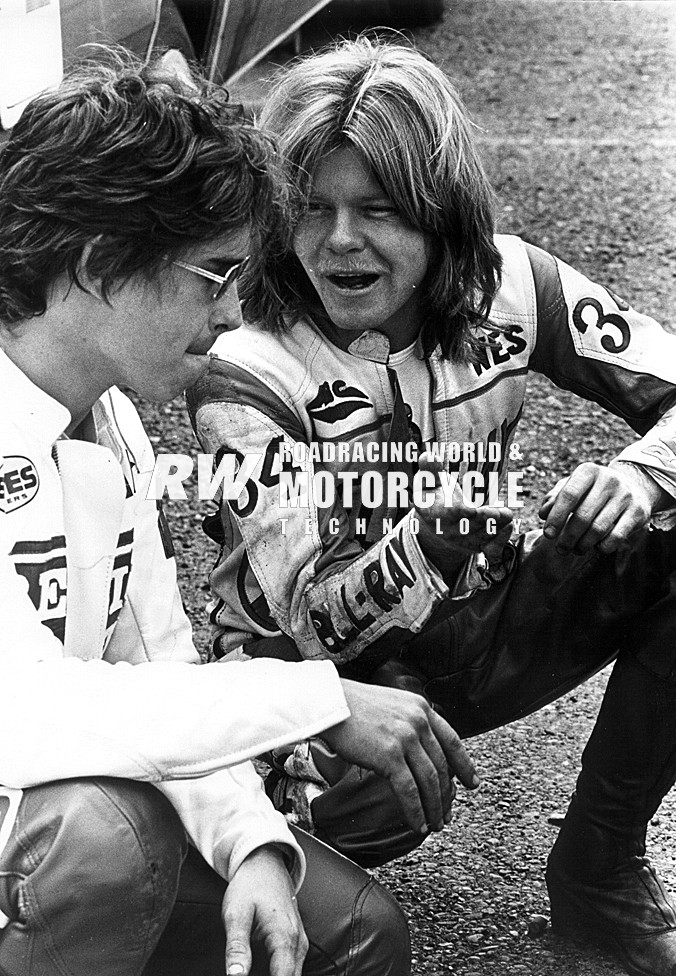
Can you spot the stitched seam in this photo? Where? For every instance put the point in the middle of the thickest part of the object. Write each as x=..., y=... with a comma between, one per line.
x=356, y=927
x=147, y=857
x=29, y=910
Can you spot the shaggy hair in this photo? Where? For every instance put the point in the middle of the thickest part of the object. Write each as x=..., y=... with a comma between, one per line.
x=140, y=162
x=402, y=113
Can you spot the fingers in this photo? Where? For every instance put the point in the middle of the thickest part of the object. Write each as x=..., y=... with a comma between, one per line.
x=455, y=753
x=593, y=507
x=411, y=797
x=286, y=957
x=259, y=906
x=550, y=498
x=566, y=500
x=434, y=783
x=624, y=536
x=399, y=736
x=423, y=781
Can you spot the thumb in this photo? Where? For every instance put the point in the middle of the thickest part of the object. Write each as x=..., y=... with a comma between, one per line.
x=237, y=957
x=238, y=926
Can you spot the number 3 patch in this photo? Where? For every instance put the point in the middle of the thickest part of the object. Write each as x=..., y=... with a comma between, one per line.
x=588, y=313
x=603, y=327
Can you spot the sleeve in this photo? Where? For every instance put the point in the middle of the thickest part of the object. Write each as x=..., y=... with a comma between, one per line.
x=166, y=720
x=593, y=343
x=297, y=567
x=153, y=722
x=227, y=816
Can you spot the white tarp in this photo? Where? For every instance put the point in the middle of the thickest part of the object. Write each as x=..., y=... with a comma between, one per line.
x=30, y=53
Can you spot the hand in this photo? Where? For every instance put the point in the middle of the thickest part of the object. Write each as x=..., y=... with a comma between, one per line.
x=600, y=506
x=449, y=550
x=400, y=737
x=259, y=904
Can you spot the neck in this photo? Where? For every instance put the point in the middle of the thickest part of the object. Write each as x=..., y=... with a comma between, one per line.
x=47, y=358
x=344, y=339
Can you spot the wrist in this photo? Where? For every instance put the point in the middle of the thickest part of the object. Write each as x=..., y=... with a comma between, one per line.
x=270, y=855
x=658, y=498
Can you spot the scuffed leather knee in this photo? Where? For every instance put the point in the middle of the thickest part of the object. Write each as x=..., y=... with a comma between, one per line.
x=95, y=866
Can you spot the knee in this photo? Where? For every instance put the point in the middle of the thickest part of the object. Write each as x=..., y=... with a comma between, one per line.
x=114, y=844
x=381, y=936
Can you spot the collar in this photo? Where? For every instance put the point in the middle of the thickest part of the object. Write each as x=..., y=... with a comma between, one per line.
x=370, y=344
x=29, y=406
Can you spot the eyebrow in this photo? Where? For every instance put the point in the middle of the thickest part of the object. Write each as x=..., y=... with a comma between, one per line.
x=360, y=197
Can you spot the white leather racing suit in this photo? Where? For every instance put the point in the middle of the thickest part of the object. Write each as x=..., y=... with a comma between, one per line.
x=98, y=672
x=333, y=579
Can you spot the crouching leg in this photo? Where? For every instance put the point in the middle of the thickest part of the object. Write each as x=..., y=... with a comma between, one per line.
x=88, y=878
x=354, y=926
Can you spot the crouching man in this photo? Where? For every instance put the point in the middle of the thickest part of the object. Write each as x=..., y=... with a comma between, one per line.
x=134, y=835
x=392, y=315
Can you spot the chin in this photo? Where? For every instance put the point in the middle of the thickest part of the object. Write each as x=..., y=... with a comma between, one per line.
x=163, y=393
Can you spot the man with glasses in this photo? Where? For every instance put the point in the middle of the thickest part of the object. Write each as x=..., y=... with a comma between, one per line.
x=134, y=836
x=223, y=282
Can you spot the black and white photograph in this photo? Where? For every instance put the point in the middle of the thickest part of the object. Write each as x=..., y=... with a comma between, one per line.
x=337, y=487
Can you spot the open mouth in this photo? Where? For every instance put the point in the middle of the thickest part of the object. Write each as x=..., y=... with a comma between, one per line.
x=353, y=282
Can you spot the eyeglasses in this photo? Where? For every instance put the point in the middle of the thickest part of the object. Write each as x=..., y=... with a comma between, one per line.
x=223, y=281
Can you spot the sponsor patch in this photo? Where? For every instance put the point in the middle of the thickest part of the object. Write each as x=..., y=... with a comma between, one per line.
x=334, y=404
x=603, y=327
x=19, y=482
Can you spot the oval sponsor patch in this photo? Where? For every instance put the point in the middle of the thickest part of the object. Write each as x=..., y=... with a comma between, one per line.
x=19, y=482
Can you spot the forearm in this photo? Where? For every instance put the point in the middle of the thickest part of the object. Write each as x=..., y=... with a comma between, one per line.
x=227, y=816
x=158, y=721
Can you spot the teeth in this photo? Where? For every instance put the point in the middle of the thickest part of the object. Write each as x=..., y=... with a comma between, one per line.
x=353, y=281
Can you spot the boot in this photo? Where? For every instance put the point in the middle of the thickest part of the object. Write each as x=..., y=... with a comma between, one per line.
x=601, y=885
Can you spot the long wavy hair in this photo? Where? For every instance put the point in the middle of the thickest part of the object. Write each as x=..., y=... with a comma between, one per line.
x=404, y=116
x=140, y=162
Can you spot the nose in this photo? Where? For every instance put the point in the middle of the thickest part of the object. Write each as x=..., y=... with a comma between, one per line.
x=344, y=234
x=226, y=314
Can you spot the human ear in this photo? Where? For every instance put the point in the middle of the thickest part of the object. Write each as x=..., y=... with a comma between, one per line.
x=90, y=283
x=174, y=63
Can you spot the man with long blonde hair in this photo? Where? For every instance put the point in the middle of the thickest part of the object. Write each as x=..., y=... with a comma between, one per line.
x=390, y=318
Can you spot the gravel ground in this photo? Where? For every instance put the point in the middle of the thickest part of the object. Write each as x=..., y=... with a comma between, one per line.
x=577, y=114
